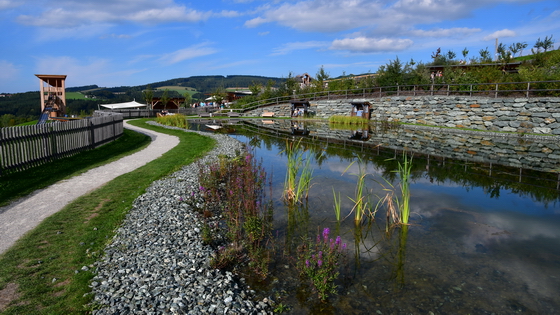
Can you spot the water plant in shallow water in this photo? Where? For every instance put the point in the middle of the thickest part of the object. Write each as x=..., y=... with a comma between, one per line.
x=361, y=197
x=398, y=207
x=319, y=263
x=176, y=120
x=337, y=205
x=298, y=174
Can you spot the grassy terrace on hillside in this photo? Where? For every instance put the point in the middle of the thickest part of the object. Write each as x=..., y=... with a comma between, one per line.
x=45, y=266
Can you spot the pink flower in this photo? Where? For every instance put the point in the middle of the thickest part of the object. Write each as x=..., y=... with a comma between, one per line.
x=326, y=232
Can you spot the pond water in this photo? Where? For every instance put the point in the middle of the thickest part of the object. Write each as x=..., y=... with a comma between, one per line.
x=483, y=238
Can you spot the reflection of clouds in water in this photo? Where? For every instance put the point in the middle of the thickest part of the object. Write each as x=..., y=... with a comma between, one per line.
x=520, y=245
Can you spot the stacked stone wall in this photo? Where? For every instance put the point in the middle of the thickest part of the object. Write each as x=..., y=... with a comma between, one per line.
x=523, y=115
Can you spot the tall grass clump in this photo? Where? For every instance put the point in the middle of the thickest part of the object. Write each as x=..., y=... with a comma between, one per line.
x=298, y=174
x=234, y=188
x=398, y=207
x=348, y=120
x=361, y=198
x=319, y=263
x=177, y=120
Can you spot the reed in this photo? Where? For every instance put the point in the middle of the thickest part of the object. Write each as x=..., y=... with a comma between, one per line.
x=361, y=198
x=347, y=120
x=177, y=120
x=299, y=173
x=337, y=205
x=404, y=171
x=398, y=207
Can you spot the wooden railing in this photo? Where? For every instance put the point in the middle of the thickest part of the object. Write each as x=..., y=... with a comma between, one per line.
x=23, y=147
x=494, y=90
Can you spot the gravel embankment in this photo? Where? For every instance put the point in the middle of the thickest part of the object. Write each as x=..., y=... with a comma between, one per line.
x=157, y=263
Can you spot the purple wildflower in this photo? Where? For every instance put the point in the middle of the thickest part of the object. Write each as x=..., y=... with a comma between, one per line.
x=307, y=263
x=337, y=242
x=319, y=262
x=326, y=232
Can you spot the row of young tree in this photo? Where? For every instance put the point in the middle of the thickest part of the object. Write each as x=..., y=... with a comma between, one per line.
x=542, y=65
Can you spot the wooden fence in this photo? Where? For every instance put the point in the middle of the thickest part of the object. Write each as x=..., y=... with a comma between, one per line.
x=23, y=147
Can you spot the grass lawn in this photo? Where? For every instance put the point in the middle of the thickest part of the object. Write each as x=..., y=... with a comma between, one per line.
x=42, y=273
x=75, y=96
x=179, y=89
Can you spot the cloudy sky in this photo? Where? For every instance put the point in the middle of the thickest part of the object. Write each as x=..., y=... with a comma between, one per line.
x=132, y=42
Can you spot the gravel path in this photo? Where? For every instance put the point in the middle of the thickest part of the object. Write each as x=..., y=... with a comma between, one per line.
x=25, y=214
x=157, y=263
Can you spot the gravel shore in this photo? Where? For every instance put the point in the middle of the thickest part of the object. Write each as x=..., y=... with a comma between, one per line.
x=157, y=263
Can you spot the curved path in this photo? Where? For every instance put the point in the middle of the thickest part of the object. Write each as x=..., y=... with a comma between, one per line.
x=25, y=214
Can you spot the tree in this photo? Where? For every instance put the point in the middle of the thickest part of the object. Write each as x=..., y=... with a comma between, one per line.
x=322, y=75
x=451, y=55
x=538, y=45
x=485, y=55
x=188, y=99
x=438, y=58
x=503, y=53
x=547, y=43
x=219, y=95
x=255, y=88
x=165, y=98
x=291, y=84
x=148, y=95
x=391, y=73
x=465, y=53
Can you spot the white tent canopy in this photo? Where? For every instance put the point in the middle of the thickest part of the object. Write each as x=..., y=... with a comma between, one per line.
x=133, y=104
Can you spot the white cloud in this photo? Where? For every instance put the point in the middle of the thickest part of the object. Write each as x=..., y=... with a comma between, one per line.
x=501, y=34
x=364, y=44
x=75, y=14
x=311, y=15
x=289, y=47
x=8, y=4
x=187, y=53
x=457, y=32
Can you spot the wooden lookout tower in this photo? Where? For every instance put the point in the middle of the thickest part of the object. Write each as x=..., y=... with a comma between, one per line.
x=53, y=96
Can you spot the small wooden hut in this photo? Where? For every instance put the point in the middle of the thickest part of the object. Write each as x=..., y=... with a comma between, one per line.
x=361, y=109
x=299, y=108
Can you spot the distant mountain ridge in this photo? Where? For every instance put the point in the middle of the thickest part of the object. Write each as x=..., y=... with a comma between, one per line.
x=203, y=84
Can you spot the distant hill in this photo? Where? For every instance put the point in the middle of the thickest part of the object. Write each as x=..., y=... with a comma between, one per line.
x=204, y=84
x=86, y=98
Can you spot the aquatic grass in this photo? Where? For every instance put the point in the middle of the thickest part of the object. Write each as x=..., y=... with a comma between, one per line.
x=176, y=120
x=347, y=120
x=404, y=171
x=398, y=207
x=298, y=174
x=337, y=205
x=361, y=198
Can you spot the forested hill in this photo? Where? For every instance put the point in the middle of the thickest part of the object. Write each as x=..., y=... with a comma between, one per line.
x=207, y=84
x=22, y=107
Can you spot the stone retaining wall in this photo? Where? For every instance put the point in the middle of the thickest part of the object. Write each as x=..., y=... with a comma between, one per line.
x=541, y=153
x=523, y=115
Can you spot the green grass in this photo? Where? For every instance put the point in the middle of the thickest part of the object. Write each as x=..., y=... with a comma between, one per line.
x=179, y=89
x=76, y=236
x=22, y=183
x=75, y=96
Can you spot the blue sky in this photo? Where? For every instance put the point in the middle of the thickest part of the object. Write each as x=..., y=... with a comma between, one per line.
x=132, y=42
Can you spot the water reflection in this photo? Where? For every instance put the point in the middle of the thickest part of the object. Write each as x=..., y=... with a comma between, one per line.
x=480, y=240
